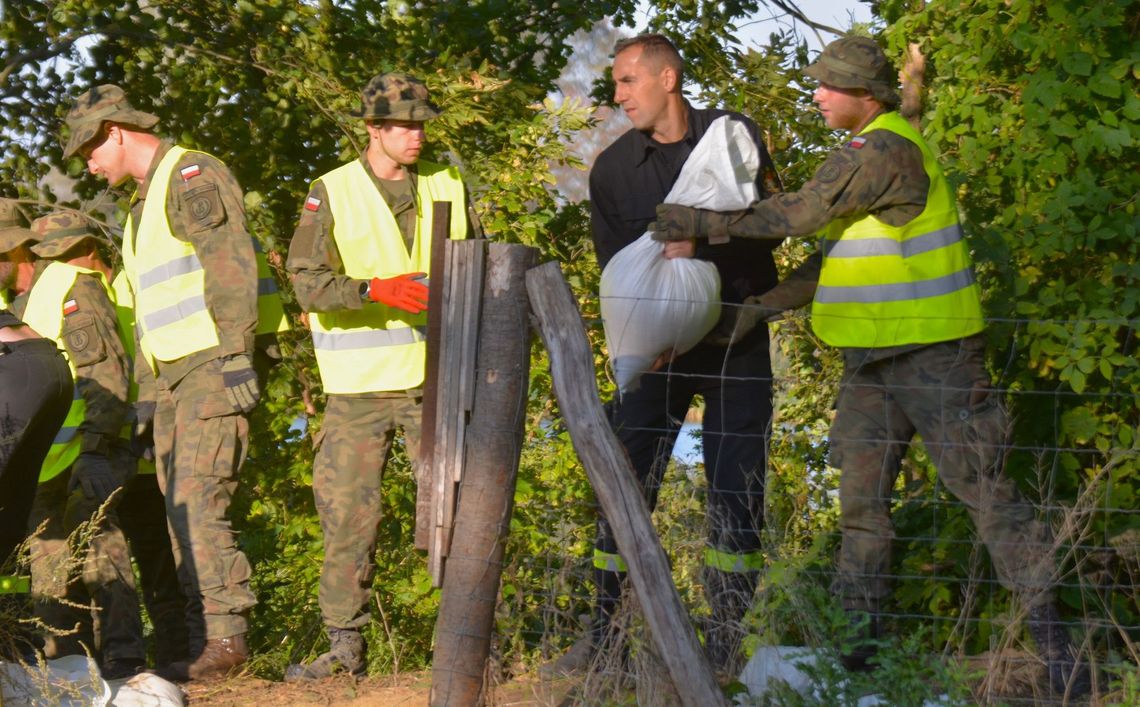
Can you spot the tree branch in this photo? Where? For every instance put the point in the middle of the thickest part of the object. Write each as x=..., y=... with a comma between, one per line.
x=790, y=7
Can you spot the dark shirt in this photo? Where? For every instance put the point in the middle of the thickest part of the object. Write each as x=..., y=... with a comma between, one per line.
x=7, y=319
x=634, y=174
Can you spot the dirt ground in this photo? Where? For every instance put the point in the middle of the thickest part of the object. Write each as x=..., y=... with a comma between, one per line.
x=384, y=691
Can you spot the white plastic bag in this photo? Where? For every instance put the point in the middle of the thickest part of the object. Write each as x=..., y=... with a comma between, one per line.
x=650, y=304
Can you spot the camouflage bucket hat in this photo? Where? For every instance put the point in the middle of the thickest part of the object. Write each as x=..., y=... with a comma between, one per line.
x=396, y=96
x=59, y=231
x=856, y=62
x=97, y=106
x=13, y=233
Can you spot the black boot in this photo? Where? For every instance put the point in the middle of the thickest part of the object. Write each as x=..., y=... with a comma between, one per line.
x=864, y=644
x=730, y=597
x=600, y=637
x=1067, y=675
x=346, y=654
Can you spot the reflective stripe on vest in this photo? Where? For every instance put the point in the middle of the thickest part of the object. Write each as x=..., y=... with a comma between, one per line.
x=44, y=313
x=734, y=562
x=371, y=245
x=609, y=561
x=166, y=277
x=883, y=285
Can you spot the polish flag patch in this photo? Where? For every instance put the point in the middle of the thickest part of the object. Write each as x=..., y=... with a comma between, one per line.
x=857, y=143
x=70, y=307
x=189, y=172
x=312, y=204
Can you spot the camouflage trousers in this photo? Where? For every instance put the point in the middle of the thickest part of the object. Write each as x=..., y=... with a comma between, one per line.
x=91, y=597
x=943, y=393
x=352, y=451
x=142, y=516
x=200, y=443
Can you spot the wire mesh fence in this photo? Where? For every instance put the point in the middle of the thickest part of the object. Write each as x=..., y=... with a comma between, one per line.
x=947, y=489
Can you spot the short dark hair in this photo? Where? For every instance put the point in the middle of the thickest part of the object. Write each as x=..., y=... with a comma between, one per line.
x=654, y=47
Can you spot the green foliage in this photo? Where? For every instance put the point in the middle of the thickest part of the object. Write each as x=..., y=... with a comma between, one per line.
x=1034, y=108
x=797, y=608
x=268, y=87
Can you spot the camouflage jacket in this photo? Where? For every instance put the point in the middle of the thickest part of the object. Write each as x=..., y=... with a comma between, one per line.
x=207, y=210
x=881, y=175
x=314, y=264
x=102, y=367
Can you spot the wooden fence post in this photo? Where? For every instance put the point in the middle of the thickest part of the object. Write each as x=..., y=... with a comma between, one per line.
x=492, y=445
x=610, y=473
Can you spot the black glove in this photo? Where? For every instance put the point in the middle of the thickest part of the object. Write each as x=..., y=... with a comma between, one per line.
x=95, y=475
x=680, y=223
x=741, y=320
x=241, y=382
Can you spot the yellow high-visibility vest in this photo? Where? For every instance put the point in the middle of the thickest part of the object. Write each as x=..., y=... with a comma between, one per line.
x=125, y=313
x=44, y=313
x=270, y=312
x=379, y=348
x=883, y=285
x=168, y=281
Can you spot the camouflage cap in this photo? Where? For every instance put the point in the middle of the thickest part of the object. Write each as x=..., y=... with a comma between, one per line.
x=106, y=103
x=59, y=231
x=856, y=62
x=396, y=96
x=13, y=232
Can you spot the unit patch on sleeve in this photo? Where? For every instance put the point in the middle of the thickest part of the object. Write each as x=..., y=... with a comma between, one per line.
x=204, y=207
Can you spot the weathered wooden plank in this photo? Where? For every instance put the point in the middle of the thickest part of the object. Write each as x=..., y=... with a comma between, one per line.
x=441, y=223
x=610, y=473
x=445, y=433
x=464, y=268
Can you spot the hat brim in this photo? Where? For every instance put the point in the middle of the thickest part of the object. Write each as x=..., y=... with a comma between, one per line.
x=418, y=112
x=834, y=78
x=54, y=247
x=86, y=131
x=13, y=237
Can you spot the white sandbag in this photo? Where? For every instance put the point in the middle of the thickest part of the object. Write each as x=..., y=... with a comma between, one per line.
x=146, y=690
x=650, y=304
x=71, y=680
x=792, y=665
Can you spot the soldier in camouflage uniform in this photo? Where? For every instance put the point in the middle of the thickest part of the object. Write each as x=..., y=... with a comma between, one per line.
x=193, y=272
x=357, y=260
x=89, y=335
x=140, y=507
x=893, y=287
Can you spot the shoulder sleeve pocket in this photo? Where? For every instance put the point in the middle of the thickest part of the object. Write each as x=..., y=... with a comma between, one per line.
x=82, y=339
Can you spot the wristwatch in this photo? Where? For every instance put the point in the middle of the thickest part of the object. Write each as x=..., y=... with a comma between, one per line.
x=364, y=288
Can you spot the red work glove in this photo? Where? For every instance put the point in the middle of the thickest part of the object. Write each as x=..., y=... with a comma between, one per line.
x=404, y=292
